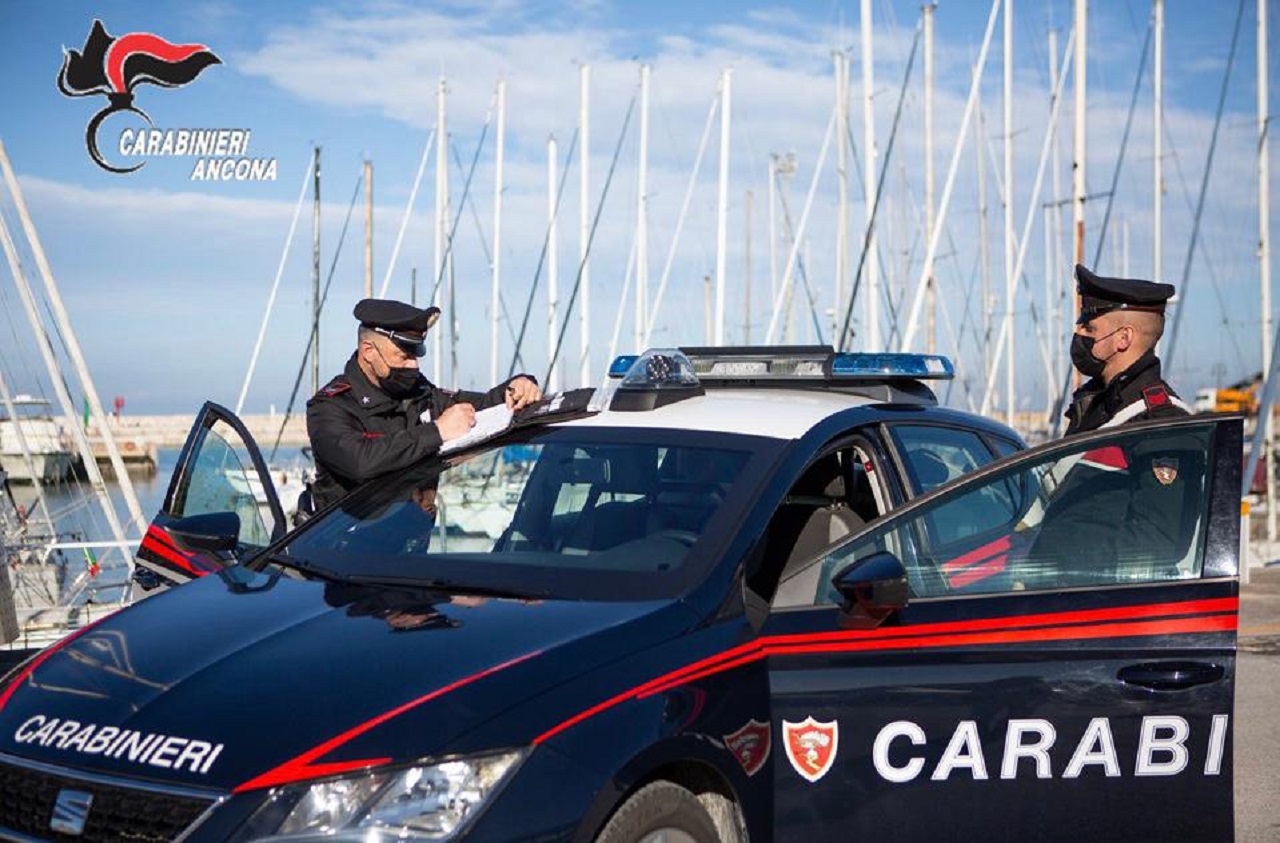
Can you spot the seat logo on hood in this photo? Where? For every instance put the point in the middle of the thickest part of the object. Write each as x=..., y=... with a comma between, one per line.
x=169, y=752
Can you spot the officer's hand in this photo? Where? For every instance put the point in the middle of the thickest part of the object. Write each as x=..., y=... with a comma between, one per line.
x=456, y=421
x=522, y=392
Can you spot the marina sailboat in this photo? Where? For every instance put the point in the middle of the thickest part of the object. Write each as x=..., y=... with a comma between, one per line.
x=49, y=451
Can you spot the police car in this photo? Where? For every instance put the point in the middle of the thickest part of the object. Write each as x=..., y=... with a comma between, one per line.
x=734, y=595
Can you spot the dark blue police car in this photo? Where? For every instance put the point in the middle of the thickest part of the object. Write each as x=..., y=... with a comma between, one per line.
x=735, y=595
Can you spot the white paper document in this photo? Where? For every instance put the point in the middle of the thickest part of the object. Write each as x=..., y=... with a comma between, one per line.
x=489, y=423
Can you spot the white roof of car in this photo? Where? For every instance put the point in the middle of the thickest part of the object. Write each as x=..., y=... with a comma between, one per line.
x=776, y=413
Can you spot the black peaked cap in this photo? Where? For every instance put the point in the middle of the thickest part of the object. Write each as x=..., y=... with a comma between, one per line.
x=1099, y=294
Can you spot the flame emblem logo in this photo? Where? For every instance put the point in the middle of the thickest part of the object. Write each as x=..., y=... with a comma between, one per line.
x=811, y=746
x=114, y=67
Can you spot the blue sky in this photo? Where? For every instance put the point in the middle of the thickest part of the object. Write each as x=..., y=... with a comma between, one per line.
x=166, y=279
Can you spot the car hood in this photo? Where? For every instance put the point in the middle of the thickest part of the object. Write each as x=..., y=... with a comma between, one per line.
x=236, y=685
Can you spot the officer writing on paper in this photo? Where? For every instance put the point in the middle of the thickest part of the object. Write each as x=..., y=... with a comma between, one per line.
x=381, y=413
x=1121, y=320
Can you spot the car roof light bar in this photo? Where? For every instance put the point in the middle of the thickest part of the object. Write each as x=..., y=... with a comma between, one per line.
x=683, y=372
x=813, y=363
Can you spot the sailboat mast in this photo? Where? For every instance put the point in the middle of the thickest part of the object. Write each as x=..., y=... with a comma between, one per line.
x=1157, y=154
x=1079, y=141
x=746, y=301
x=773, y=225
x=442, y=225
x=495, y=294
x=584, y=223
x=315, y=272
x=874, y=342
x=1054, y=273
x=722, y=205
x=553, y=375
x=841, y=64
x=931, y=291
x=642, y=216
x=1009, y=236
x=368, y=229
x=1264, y=253
x=984, y=256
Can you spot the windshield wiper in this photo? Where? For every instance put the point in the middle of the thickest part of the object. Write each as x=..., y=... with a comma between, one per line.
x=451, y=587
x=308, y=568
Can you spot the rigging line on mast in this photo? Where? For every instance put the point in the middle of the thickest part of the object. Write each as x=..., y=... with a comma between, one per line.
x=9, y=309
x=591, y=236
x=408, y=212
x=446, y=261
x=324, y=296
x=875, y=207
x=275, y=285
x=1022, y=273
x=684, y=209
x=1210, y=267
x=857, y=169
x=1204, y=184
x=542, y=257
x=1124, y=142
x=800, y=265
x=484, y=243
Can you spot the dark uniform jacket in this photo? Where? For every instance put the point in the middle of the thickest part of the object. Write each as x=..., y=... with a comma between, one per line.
x=1129, y=499
x=1097, y=402
x=357, y=431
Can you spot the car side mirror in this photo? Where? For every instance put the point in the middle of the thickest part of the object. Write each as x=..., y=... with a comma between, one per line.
x=211, y=532
x=873, y=588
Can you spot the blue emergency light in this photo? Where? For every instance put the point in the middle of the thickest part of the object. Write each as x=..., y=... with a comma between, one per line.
x=879, y=365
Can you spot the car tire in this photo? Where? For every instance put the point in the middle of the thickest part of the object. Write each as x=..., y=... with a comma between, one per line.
x=660, y=812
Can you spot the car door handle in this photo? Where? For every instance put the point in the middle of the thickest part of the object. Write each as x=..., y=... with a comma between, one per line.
x=1171, y=676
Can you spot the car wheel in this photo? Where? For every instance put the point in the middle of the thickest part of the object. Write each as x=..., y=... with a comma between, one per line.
x=661, y=812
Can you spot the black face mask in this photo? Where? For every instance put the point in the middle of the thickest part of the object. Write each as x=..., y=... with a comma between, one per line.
x=398, y=383
x=1082, y=355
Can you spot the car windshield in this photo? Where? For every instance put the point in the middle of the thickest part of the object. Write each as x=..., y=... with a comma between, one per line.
x=576, y=513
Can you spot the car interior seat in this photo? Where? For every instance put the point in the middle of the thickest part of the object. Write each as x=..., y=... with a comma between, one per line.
x=821, y=499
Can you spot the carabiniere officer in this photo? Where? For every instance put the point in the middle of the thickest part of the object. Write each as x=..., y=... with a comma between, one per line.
x=1121, y=320
x=381, y=413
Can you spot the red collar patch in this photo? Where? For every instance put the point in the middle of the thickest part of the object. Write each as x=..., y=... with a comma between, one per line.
x=1155, y=396
x=335, y=388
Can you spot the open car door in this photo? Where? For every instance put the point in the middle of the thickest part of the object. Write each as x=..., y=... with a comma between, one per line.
x=220, y=484
x=1044, y=648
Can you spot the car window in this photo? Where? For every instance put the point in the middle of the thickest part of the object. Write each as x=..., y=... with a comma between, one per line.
x=1130, y=512
x=574, y=515
x=935, y=455
x=223, y=480
x=1003, y=447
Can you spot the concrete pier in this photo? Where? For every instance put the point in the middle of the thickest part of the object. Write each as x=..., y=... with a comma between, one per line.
x=147, y=434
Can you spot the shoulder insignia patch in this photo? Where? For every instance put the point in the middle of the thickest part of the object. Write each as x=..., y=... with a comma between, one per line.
x=333, y=388
x=1155, y=396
